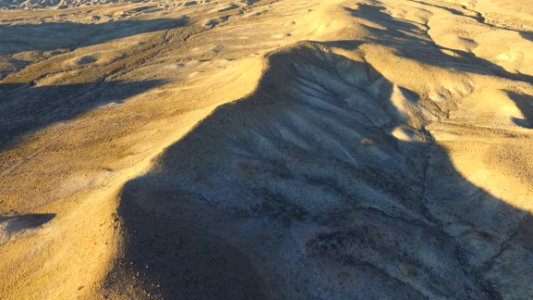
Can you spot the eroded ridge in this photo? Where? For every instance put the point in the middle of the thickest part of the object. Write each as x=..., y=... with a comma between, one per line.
x=265, y=149
x=308, y=180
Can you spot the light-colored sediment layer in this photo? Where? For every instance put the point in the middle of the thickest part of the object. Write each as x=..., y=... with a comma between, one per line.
x=289, y=149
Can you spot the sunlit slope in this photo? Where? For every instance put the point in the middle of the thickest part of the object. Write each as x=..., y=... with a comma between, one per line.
x=266, y=149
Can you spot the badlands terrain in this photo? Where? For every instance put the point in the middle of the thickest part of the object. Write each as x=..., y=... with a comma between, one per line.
x=266, y=149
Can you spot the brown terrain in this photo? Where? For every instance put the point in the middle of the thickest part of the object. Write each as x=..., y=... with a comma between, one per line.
x=266, y=149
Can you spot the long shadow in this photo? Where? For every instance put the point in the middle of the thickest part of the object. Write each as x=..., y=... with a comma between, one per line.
x=405, y=38
x=70, y=35
x=478, y=17
x=25, y=109
x=383, y=218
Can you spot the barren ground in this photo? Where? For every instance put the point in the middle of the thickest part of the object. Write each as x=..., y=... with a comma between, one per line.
x=254, y=149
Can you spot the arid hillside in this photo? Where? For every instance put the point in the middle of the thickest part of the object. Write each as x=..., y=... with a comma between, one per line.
x=266, y=149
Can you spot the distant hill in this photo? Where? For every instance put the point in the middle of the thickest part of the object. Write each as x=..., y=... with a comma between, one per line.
x=36, y=4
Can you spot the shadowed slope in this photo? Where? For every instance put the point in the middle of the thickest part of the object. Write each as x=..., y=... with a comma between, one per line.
x=304, y=182
x=24, y=109
x=415, y=42
x=12, y=225
x=525, y=104
x=385, y=163
x=52, y=36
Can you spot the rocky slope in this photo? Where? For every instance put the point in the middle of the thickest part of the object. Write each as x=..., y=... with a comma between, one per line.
x=267, y=149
